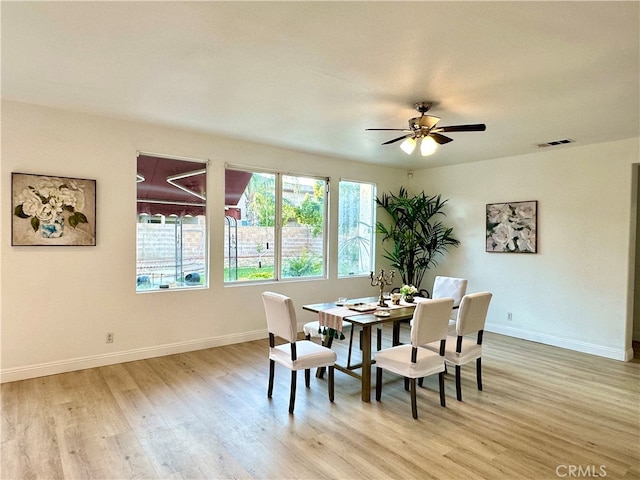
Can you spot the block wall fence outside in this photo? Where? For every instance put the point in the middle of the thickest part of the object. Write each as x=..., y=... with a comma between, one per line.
x=156, y=245
x=295, y=240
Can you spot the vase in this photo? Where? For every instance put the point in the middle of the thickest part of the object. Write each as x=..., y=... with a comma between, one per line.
x=408, y=298
x=53, y=228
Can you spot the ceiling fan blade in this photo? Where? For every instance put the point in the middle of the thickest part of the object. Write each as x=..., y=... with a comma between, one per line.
x=389, y=129
x=440, y=139
x=477, y=127
x=396, y=139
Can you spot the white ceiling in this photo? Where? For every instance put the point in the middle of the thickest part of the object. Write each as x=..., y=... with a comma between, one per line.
x=311, y=76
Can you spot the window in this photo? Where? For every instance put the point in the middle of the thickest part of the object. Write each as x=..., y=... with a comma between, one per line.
x=303, y=226
x=356, y=228
x=250, y=219
x=257, y=247
x=171, y=233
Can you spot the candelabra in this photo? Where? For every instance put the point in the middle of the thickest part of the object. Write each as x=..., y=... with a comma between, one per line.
x=382, y=280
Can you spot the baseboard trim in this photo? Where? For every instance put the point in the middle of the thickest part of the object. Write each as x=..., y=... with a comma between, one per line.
x=584, y=347
x=81, y=363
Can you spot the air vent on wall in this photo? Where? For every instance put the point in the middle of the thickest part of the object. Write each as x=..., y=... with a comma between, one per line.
x=555, y=143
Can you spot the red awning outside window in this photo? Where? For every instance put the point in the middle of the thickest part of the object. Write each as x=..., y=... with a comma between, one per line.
x=157, y=196
x=235, y=182
x=177, y=187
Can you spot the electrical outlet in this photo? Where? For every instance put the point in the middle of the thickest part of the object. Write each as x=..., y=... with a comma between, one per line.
x=110, y=337
x=509, y=316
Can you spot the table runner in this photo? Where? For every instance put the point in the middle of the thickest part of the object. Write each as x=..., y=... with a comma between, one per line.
x=332, y=318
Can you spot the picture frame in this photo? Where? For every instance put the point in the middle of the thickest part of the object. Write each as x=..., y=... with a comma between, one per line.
x=512, y=227
x=48, y=210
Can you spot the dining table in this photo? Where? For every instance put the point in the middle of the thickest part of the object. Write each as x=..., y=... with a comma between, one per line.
x=366, y=320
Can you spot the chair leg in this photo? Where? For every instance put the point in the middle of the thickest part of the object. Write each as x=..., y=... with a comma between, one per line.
x=458, y=384
x=420, y=381
x=272, y=367
x=379, y=339
x=395, y=335
x=479, y=372
x=378, y=383
x=331, y=389
x=443, y=401
x=414, y=403
x=406, y=383
x=326, y=343
x=292, y=398
x=307, y=377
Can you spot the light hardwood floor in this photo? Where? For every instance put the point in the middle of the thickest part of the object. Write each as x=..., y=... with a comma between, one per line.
x=545, y=412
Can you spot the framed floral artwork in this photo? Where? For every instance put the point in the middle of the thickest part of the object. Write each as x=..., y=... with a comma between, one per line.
x=512, y=227
x=52, y=211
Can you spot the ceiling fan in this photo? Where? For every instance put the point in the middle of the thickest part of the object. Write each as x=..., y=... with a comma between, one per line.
x=424, y=128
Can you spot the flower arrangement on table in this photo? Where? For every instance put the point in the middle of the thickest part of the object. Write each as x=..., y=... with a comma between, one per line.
x=408, y=291
x=45, y=203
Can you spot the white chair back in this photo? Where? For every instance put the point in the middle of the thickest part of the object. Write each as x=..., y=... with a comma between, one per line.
x=450, y=287
x=473, y=313
x=281, y=316
x=430, y=320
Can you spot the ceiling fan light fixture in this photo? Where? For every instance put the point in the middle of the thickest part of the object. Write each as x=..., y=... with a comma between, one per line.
x=408, y=145
x=425, y=129
x=428, y=146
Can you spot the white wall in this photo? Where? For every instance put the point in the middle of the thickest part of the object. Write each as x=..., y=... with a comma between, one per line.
x=59, y=302
x=576, y=291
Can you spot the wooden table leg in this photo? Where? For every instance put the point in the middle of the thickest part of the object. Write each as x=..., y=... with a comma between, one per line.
x=366, y=363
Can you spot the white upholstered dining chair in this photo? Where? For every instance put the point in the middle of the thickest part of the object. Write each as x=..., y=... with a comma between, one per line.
x=295, y=354
x=314, y=329
x=460, y=350
x=450, y=287
x=429, y=324
x=444, y=287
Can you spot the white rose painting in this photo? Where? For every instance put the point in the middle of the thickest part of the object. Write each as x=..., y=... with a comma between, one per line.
x=511, y=227
x=50, y=210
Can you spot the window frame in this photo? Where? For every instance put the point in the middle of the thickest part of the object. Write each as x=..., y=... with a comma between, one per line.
x=184, y=285
x=278, y=227
x=372, y=254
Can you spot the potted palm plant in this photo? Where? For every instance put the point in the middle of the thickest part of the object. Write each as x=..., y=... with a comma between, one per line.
x=416, y=232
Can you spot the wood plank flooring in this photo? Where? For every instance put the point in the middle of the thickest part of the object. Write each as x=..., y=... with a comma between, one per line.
x=544, y=413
